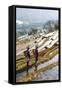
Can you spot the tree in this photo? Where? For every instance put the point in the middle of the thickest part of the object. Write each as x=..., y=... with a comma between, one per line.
x=33, y=31
x=56, y=26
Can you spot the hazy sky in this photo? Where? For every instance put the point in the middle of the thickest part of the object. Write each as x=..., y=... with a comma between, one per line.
x=36, y=15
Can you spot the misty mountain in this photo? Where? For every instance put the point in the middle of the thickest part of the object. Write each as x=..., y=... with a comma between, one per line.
x=23, y=28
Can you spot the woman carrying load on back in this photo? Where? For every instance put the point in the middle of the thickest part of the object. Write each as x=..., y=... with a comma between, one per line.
x=27, y=56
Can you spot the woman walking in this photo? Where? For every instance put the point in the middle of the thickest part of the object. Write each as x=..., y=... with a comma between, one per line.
x=27, y=56
x=36, y=55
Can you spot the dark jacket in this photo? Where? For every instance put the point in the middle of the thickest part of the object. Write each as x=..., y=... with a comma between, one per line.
x=27, y=54
x=35, y=52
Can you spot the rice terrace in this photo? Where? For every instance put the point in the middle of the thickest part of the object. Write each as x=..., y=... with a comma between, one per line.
x=37, y=45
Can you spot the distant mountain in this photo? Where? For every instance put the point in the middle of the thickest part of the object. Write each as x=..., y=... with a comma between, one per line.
x=24, y=27
x=50, y=26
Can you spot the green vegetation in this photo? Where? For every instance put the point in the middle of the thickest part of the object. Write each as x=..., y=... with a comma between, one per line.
x=43, y=57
